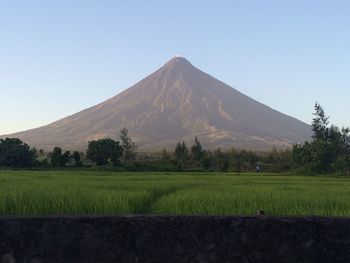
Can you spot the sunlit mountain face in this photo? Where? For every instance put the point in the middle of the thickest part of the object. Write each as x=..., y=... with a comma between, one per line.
x=175, y=103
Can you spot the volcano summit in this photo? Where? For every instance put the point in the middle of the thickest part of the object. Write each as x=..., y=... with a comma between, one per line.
x=177, y=102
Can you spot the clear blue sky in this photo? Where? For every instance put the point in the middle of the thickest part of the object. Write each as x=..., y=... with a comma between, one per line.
x=59, y=57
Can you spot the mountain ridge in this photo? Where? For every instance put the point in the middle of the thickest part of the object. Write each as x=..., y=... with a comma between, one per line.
x=174, y=103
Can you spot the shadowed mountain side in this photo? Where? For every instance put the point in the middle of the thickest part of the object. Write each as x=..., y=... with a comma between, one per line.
x=177, y=102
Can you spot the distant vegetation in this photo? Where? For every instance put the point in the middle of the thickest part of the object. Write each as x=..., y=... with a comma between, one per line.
x=328, y=152
x=103, y=192
x=110, y=154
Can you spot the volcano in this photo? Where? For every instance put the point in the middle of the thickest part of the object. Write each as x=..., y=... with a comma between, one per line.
x=177, y=102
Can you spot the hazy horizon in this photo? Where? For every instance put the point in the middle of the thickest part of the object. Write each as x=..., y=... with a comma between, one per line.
x=58, y=58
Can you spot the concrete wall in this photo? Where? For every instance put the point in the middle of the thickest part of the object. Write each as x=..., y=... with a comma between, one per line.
x=174, y=239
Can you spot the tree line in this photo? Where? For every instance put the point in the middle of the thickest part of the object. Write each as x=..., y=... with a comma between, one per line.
x=14, y=153
x=327, y=152
x=122, y=154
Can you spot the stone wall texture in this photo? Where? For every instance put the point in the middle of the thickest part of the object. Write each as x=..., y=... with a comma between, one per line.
x=154, y=238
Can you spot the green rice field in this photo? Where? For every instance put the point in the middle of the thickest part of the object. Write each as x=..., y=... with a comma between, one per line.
x=97, y=192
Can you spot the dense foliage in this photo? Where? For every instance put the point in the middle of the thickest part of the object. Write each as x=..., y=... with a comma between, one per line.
x=104, y=151
x=59, y=159
x=15, y=153
x=329, y=150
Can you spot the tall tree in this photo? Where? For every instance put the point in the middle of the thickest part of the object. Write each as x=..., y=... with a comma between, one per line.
x=329, y=149
x=128, y=145
x=56, y=157
x=320, y=123
x=181, y=155
x=196, y=150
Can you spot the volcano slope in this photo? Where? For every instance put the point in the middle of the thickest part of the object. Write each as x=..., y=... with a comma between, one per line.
x=176, y=102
